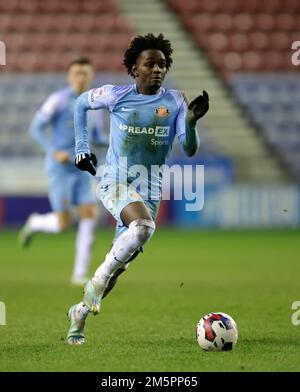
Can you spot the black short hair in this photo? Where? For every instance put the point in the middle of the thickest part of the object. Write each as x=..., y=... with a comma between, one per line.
x=144, y=42
x=80, y=61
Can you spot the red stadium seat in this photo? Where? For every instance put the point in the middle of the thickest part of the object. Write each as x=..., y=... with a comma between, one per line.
x=11, y=60
x=279, y=41
x=47, y=7
x=32, y=42
x=26, y=61
x=77, y=42
x=120, y=24
x=19, y=22
x=243, y=36
x=13, y=41
x=117, y=42
x=61, y=22
x=286, y=22
x=107, y=62
x=230, y=6
x=294, y=36
x=188, y=22
x=200, y=22
x=264, y=22
x=258, y=40
x=217, y=59
x=103, y=22
x=292, y=5
x=249, y=7
x=99, y=42
x=28, y=6
x=94, y=6
x=39, y=23
x=61, y=62
x=55, y=43
x=202, y=41
x=8, y=6
x=209, y=6
x=5, y=22
x=217, y=41
x=272, y=61
x=232, y=61
x=243, y=22
x=270, y=6
x=252, y=60
x=186, y=7
x=84, y=23
x=70, y=7
x=222, y=22
x=239, y=42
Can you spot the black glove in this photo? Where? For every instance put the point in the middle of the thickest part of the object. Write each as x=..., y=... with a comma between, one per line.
x=86, y=162
x=200, y=105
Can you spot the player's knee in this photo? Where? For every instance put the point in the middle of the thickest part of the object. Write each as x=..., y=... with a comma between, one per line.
x=87, y=211
x=64, y=220
x=143, y=230
x=63, y=225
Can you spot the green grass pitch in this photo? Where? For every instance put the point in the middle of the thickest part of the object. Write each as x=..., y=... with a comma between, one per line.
x=148, y=321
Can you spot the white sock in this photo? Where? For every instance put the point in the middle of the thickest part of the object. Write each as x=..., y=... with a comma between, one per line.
x=84, y=242
x=47, y=223
x=139, y=232
x=82, y=310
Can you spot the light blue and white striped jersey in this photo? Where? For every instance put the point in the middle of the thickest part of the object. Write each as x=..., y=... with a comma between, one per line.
x=142, y=130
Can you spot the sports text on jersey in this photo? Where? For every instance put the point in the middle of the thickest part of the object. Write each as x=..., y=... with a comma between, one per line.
x=158, y=131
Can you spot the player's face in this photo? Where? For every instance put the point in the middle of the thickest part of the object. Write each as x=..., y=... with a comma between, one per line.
x=80, y=77
x=150, y=70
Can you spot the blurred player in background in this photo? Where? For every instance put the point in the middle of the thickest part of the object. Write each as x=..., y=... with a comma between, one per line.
x=68, y=187
x=145, y=118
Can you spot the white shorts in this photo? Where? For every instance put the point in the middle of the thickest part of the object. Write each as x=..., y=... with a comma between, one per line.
x=116, y=196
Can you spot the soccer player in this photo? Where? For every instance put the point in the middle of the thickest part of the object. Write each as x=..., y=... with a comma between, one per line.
x=67, y=185
x=145, y=118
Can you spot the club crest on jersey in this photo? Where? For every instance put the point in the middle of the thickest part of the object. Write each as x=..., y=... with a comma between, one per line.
x=162, y=111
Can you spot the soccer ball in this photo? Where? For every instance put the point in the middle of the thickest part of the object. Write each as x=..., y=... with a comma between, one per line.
x=216, y=332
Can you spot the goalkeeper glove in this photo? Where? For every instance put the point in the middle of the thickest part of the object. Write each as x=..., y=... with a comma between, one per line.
x=86, y=162
x=200, y=105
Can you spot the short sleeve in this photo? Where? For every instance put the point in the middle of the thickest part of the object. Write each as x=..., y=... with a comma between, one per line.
x=102, y=97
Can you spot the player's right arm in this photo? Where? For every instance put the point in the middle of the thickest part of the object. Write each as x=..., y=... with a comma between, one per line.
x=99, y=98
x=41, y=120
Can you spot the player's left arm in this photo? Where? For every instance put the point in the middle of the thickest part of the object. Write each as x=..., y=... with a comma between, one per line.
x=186, y=122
